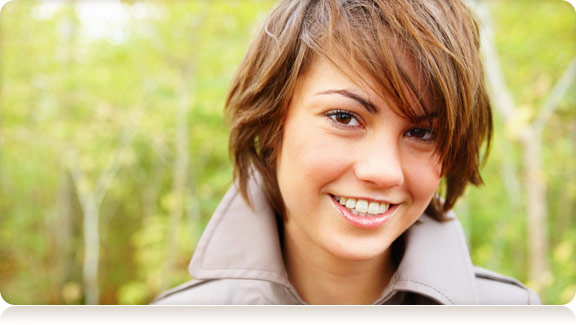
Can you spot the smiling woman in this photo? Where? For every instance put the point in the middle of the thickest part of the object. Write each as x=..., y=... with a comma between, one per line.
x=346, y=117
x=367, y=156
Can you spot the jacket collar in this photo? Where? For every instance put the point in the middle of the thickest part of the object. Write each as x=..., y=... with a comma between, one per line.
x=436, y=263
x=242, y=243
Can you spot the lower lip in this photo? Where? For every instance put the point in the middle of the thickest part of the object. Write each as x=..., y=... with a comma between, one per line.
x=364, y=222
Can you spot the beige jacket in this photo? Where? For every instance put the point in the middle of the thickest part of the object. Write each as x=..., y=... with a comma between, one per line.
x=238, y=261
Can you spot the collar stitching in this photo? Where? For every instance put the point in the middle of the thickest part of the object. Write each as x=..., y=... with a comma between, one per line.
x=424, y=284
x=241, y=268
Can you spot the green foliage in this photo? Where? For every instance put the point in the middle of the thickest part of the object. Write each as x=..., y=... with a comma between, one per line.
x=83, y=105
x=536, y=40
x=77, y=105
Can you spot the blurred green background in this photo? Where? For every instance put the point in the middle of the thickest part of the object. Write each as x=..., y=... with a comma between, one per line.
x=113, y=149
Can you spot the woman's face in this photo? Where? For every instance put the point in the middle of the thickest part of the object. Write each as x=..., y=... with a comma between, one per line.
x=353, y=174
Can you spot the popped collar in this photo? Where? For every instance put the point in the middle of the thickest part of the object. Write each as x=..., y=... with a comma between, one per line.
x=238, y=260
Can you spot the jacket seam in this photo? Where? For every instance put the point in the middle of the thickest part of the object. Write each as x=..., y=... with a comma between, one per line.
x=500, y=279
x=488, y=276
x=425, y=285
x=241, y=268
x=182, y=288
x=504, y=280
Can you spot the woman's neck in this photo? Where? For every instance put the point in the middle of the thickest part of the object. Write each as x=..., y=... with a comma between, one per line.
x=324, y=279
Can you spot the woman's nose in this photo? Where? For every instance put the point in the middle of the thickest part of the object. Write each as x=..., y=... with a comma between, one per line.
x=380, y=164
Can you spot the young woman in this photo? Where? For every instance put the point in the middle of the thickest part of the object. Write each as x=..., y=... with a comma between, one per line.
x=356, y=125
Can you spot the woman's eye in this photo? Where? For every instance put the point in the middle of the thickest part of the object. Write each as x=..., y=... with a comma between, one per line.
x=344, y=118
x=422, y=134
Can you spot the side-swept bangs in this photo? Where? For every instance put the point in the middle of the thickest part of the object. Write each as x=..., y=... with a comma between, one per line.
x=383, y=41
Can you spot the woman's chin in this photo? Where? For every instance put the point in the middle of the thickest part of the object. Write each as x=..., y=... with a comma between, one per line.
x=358, y=251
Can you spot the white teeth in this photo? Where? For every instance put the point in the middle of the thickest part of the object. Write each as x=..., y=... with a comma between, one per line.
x=351, y=203
x=362, y=206
x=383, y=207
x=373, y=208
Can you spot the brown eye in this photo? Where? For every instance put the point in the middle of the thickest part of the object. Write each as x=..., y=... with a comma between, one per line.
x=343, y=118
x=421, y=134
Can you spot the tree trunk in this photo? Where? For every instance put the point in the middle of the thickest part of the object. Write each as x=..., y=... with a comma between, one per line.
x=90, y=229
x=537, y=207
x=180, y=173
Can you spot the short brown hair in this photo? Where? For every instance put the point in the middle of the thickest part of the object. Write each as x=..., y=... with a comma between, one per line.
x=441, y=37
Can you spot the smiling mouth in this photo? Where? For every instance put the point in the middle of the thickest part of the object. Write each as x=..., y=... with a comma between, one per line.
x=363, y=208
x=363, y=213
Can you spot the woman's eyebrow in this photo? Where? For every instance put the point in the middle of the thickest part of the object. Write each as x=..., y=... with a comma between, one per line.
x=347, y=93
x=425, y=118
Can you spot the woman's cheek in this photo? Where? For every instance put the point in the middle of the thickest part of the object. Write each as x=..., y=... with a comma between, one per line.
x=324, y=158
x=424, y=173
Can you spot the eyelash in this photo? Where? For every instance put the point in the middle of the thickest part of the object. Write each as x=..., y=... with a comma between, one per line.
x=428, y=131
x=333, y=115
x=429, y=135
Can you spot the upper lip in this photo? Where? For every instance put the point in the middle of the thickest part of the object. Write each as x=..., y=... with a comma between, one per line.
x=366, y=198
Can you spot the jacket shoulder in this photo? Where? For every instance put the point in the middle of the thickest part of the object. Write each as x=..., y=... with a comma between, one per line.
x=497, y=289
x=213, y=292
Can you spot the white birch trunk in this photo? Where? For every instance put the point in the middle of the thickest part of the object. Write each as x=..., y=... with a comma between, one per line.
x=90, y=215
x=180, y=172
x=537, y=207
